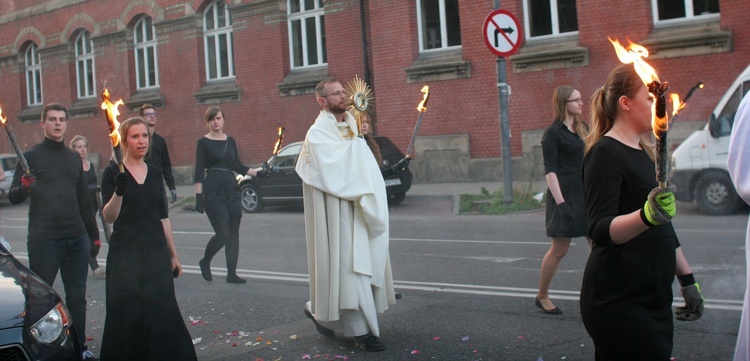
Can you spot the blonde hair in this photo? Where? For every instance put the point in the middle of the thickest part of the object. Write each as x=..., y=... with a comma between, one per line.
x=560, y=106
x=125, y=127
x=621, y=81
x=79, y=138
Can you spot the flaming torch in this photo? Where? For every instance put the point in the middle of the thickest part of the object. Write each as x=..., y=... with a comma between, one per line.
x=14, y=142
x=677, y=105
x=111, y=114
x=634, y=54
x=422, y=107
x=277, y=147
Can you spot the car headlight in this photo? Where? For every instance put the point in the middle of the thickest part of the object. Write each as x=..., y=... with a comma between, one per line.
x=52, y=326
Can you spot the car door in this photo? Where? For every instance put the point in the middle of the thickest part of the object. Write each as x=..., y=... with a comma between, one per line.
x=283, y=181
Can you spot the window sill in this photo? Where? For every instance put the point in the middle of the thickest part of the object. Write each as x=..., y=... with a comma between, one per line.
x=30, y=114
x=301, y=82
x=699, y=37
x=220, y=92
x=151, y=96
x=556, y=53
x=437, y=66
x=85, y=108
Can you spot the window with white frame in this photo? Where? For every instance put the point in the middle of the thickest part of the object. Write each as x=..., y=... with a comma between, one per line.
x=33, y=76
x=439, y=25
x=550, y=17
x=683, y=9
x=146, y=61
x=85, y=65
x=307, y=37
x=217, y=37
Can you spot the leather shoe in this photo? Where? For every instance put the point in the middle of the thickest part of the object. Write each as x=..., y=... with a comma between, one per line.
x=205, y=270
x=554, y=311
x=325, y=331
x=235, y=279
x=369, y=342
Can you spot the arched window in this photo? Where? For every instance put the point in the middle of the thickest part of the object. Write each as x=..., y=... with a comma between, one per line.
x=217, y=36
x=33, y=76
x=85, y=65
x=146, y=60
x=307, y=37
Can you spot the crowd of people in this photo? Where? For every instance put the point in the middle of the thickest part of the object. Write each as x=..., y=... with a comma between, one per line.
x=601, y=185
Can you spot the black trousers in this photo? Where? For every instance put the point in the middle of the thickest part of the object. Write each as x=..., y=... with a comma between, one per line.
x=224, y=211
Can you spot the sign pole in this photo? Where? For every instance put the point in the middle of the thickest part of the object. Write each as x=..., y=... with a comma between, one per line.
x=502, y=87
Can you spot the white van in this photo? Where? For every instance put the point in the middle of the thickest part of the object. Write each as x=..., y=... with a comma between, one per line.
x=699, y=164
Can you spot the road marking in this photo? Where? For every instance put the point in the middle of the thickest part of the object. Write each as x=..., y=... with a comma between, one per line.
x=547, y=243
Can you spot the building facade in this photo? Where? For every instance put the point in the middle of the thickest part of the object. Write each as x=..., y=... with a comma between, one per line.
x=259, y=60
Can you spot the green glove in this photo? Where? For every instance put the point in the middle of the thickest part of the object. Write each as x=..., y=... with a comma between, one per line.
x=660, y=207
x=693, y=308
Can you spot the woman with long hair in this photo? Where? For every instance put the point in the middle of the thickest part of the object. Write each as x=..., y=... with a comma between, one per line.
x=143, y=320
x=565, y=216
x=218, y=193
x=626, y=295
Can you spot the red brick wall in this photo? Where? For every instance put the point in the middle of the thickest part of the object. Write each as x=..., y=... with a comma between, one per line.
x=261, y=55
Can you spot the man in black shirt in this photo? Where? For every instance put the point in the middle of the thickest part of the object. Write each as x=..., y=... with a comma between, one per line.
x=158, y=155
x=62, y=231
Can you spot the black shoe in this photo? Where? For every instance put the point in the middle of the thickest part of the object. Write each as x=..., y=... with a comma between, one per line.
x=398, y=295
x=325, y=331
x=369, y=343
x=235, y=279
x=205, y=270
x=554, y=311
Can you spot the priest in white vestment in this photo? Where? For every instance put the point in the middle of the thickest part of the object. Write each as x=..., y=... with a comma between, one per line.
x=738, y=164
x=346, y=224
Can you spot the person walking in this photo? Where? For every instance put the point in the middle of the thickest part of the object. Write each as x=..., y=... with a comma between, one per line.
x=738, y=164
x=626, y=294
x=81, y=145
x=218, y=193
x=143, y=320
x=62, y=233
x=158, y=155
x=346, y=225
x=565, y=216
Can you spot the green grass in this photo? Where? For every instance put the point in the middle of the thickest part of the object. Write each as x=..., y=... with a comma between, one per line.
x=493, y=203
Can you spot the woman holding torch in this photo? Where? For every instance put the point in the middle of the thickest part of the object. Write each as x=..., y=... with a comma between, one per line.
x=217, y=192
x=626, y=295
x=143, y=320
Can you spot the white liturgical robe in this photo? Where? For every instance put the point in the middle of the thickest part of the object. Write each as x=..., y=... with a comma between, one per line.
x=346, y=221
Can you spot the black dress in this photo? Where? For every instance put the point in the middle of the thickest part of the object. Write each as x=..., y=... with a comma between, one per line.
x=143, y=320
x=563, y=155
x=626, y=295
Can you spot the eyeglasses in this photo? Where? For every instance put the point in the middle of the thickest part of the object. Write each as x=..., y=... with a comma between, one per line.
x=149, y=114
x=579, y=101
x=338, y=93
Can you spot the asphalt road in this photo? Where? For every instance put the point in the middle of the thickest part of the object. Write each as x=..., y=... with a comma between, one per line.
x=468, y=285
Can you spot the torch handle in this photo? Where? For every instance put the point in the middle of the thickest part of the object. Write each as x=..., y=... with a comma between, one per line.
x=17, y=148
x=414, y=134
x=661, y=160
x=118, y=158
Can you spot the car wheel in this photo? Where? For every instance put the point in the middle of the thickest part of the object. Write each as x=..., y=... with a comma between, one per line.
x=715, y=194
x=396, y=198
x=251, y=202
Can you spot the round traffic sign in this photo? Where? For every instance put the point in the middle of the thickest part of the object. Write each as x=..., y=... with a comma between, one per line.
x=502, y=32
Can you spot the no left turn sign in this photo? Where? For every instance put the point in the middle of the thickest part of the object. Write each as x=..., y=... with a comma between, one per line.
x=502, y=33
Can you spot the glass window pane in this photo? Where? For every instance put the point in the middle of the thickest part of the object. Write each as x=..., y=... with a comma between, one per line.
x=151, y=65
x=540, y=18
x=89, y=77
x=211, y=46
x=431, y=31
x=294, y=6
x=312, y=41
x=452, y=22
x=703, y=7
x=208, y=19
x=567, y=16
x=149, y=29
x=231, y=54
x=38, y=86
x=221, y=15
x=140, y=59
x=296, y=43
x=223, y=56
x=81, y=79
x=139, y=33
x=88, y=45
x=323, y=38
x=671, y=9
x=30, y=87
x=309, y=4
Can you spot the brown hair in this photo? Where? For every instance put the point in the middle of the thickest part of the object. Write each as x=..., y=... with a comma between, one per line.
x=54, y=106
x=144, y=107
x=125, y=127
x=321, y=87
x=560, y=106
x=621, y=81
x=212, y=112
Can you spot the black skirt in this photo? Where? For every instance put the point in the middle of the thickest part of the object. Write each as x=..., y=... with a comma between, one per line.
x=571, y=187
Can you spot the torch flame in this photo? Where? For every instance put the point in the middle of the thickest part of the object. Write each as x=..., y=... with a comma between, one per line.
x=112, y=113
x=635, y=54
x=426, y=90
x=3, y=119
x=278, y=141
x=677, y=104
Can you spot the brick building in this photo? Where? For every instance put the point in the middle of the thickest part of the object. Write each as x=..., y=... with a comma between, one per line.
x=259, y=60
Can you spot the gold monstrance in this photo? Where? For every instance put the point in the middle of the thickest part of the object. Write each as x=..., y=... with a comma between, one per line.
x=360, y=100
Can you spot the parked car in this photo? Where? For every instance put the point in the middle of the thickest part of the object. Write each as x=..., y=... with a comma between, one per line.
x=8, y=161
x=284, y=186
x=34, y=322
